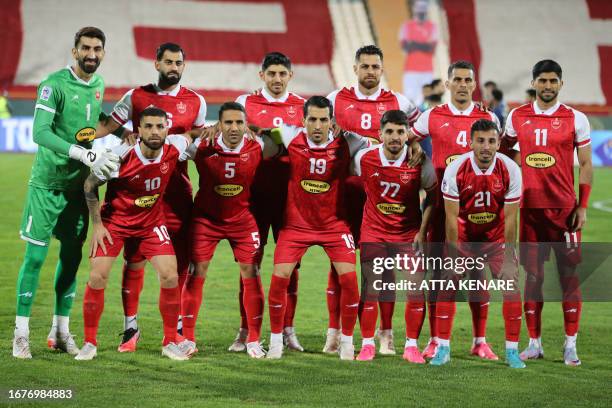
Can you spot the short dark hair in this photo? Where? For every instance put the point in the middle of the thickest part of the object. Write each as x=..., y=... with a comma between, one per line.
x=531, y=92
x=275, y=58
x=172, y=47
x=490, y=83
x=153, y=111
x=546, y=66
x=483, y=125
x=92, y=32
x=426, y=86
x=461, y=64
x=396, y=117
x=318, y=102
x=369, y=50
x=497, y=94
x=231, y=106
x=436, y=82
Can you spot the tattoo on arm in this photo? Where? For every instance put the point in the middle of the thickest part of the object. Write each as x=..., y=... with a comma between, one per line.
x=91, y=197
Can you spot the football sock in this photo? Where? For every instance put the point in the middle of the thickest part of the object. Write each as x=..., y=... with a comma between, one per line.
x=61, y=324
x=169, y=307
x=191, y=300
x=571, y=316
x=367, y=319
x=512, y=345
x=511, y=310
x=349, y=300
x=533, y=318
x=292, y=295
x=277, y=302
x=27, y=280
x=570, y=341
x=480, y=312
x=433, y=332
x=131, y=286
x=93, y=305
x=22, y=326
x=445, y=314
x=333, y=299
x=65, y=275
x=386, y=315
x=130, y=322
x=368, y=341
x=254, y=304
x=244, y=324
x=410, y=343
x=414, y=316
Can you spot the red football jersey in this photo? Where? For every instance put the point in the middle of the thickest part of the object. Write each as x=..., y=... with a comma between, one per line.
x=482, y=195
x=361, y=114
x=449, y=129
x=186, y=110
x=265, y=111
x=318, y=173
x=226, y=176
x=547, y=140
x=393, y=205
x=133, y=194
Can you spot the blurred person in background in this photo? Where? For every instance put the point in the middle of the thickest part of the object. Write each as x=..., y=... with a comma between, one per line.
x=5, y=106
x=425, y=93
x=418, y=37
x=530, y=95
x=498, y=106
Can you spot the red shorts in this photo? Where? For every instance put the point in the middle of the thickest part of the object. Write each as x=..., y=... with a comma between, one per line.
x=149, y=242
x=545, y=225
x=354, y=200
x=293, y=244
x=243, y=237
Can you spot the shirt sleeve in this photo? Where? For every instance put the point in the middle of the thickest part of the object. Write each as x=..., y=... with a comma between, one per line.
x=50, y=100
x=421, y=127
x=332, y=99
x=513, y=195
x=201, y=118
x=583, y=129
x=450, y=191
x=242, y=100
x=509, y=131
x=180, y=142
x=288, y=133
x=495, y=120
x=428, y=175
x=408, y=107
x=356, y=142
x=122, y=112
x=357, y=161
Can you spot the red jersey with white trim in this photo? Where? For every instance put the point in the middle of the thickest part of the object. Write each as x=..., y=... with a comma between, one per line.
x=547, y=141
x=393, y=205
x=482, y=195
x=132, y=199
x=264, y=111
x=186, y=110
x=449, y=129
x=355, y=112
x=226, y=176
x=318, y=174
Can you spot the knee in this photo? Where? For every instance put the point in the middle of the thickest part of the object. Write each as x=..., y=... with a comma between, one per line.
x=168, y=278
x=248, y=270
x=201, y=269
x=98, y=279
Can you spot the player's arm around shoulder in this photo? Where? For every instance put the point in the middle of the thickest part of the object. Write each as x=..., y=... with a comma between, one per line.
x=429, y=183
x=585, y=169
x=100, y=233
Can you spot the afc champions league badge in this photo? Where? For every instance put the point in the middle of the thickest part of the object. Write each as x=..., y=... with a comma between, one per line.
x=291, y=111
x=181, y=107
x=381, y=108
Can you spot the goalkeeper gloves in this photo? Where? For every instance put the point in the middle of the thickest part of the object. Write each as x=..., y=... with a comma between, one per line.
x=101, y=161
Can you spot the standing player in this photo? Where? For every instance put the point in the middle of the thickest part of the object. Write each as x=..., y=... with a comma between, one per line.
x=359, y=109
x=548, y=133
x=186, y=110
x=227, y=168
x=448, y=125
x=314, y=216
x=66, y=113
x=482, y=190
x=392, y=213
x=132, y=216
x=271, y=107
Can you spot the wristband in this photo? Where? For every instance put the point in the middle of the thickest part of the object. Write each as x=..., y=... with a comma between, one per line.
x=584, y=190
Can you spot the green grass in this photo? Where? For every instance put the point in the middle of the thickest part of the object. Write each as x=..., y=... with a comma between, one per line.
x=217, y=377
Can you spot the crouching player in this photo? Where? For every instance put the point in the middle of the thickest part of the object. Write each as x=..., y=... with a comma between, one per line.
x=392, y=213
x=226, y=165
x=482, y=190
x=132, y=217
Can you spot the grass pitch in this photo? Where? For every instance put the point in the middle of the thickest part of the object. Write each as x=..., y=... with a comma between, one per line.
x=218, y=378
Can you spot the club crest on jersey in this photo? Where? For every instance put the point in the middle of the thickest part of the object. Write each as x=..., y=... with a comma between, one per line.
x=482, y=218
x=181, y=107
x=98, y=95
x=331, y=153
x=497, y=186
x=86, y=134
x=244, y=157
x=406, y=176
x=164, y=168
x=291, y=111
x=146, y=201
x=555, y=123
x=381, y=108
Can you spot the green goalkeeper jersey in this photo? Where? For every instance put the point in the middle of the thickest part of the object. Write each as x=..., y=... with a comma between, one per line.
x=66, y=113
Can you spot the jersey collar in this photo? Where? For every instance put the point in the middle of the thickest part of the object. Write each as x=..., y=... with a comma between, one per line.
x=372, y=97
x=312, y=145
x=173, y=92
x=396, y=163
x=270, y=98
x=226, y=149
x=458, y=112
x=477, y=169
x=548, y=111
x=146, y=161
x=75, y=76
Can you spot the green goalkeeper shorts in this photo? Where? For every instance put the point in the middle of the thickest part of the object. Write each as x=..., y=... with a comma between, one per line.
x=47, y=213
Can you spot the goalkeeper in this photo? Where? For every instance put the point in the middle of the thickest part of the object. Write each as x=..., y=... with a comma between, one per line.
x=68, y=108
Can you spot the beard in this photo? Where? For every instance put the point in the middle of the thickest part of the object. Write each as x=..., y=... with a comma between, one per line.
x=153, y=145
x=370, y=83
x=173, y=80
x=548, y=98
x=89, y=69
